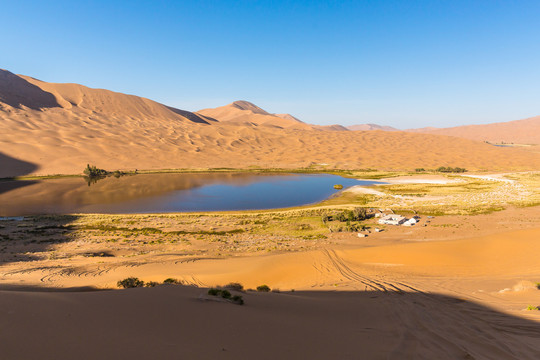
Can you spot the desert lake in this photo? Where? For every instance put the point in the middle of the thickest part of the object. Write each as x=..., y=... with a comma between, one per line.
x=169, y=192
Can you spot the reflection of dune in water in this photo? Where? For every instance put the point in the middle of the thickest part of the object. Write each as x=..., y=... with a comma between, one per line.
x=158, y=193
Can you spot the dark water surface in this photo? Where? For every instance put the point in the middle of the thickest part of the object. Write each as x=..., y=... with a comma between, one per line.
x=156, y=193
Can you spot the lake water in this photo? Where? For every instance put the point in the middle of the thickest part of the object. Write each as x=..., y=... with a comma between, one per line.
x=157, y=193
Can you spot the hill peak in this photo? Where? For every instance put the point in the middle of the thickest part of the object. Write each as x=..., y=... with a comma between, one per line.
x=246, y=105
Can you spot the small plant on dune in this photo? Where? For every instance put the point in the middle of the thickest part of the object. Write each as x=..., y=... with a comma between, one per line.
x=214, y=291
x=537, y=285
x=234, y=286
x=225, y=294
x=237, y=299
x=172, y=281
x=151, y=284
x=130, y=282
x=531, y=307
x=263, y=288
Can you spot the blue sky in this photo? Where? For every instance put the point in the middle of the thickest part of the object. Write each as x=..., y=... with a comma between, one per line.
x=400, y=63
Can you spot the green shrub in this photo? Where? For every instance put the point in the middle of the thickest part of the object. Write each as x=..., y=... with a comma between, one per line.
x=419, y=169
x=130, y=282
x=342, y=216
x=263, y=288
x=531, y=307
x=151, y=284
x=225, y=294
x=237, y=299
x=214, y=291
x=450, y=169
x=234, y=286
x=172, y=281
x=92, y=171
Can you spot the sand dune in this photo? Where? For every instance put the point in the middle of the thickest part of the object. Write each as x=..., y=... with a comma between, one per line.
x=526, y=131
x=59, y=128
x=244, y=112
x=366, y=127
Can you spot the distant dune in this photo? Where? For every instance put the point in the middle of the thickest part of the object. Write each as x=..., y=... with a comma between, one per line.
x=366, y=127
x=59, y=128
x=244, y=112
x=526, y=131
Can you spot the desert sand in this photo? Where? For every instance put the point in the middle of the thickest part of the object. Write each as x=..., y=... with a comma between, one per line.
x=391, y=296
x=48, y=128
x=451, y=287
x=526, y=131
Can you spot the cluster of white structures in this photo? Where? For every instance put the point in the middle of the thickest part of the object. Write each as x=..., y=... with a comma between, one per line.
x=393, y=219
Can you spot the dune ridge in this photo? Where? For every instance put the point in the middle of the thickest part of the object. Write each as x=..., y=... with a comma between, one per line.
x=525, y=131
x=59, y=128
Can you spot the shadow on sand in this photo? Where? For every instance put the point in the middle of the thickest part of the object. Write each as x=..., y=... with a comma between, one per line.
x=169, y=322
x=30, y=238
x=17, y=92
x=11, y=168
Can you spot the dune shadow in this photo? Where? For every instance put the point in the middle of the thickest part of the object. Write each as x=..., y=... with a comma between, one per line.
x=10, y=168
x=17, y=92
x=196, y=118
x=299, y=325
x=31, y=238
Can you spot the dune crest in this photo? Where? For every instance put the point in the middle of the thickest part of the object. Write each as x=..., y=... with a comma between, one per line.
x=62, y=127
x=526, y=131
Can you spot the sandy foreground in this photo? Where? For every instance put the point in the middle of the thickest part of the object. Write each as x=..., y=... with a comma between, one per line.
x=423, y=292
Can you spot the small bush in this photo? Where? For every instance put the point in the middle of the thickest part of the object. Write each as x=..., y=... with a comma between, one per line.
x=225, y=294
x=234, y=286
x=537, y=285
x=263, y=288
x=214, y=291
x=92, y=171
x=419, y=169
x=131, y=282
x=172, y=281
x=531, y=307
x=359, y=214
x=237, y=299
x=151, y=284
x=450, y=169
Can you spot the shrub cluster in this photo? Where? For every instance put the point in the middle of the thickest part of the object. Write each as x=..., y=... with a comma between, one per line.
x=225, y=294
x=133, y=282
x=357, y=214
x=130, y=282
x=92, y=171
x=450, y=169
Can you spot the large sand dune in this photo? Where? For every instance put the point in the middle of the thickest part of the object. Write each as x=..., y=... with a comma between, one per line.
x=526, y=131
x=59, y=128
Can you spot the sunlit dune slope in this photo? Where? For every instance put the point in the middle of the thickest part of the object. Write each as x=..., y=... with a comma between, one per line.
x=526, y=131
x=60, y=128
x=244, y=112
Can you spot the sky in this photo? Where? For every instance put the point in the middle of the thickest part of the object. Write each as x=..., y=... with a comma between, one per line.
x=406, y=64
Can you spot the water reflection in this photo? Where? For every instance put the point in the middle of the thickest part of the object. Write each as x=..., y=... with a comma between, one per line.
x=169, y=193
